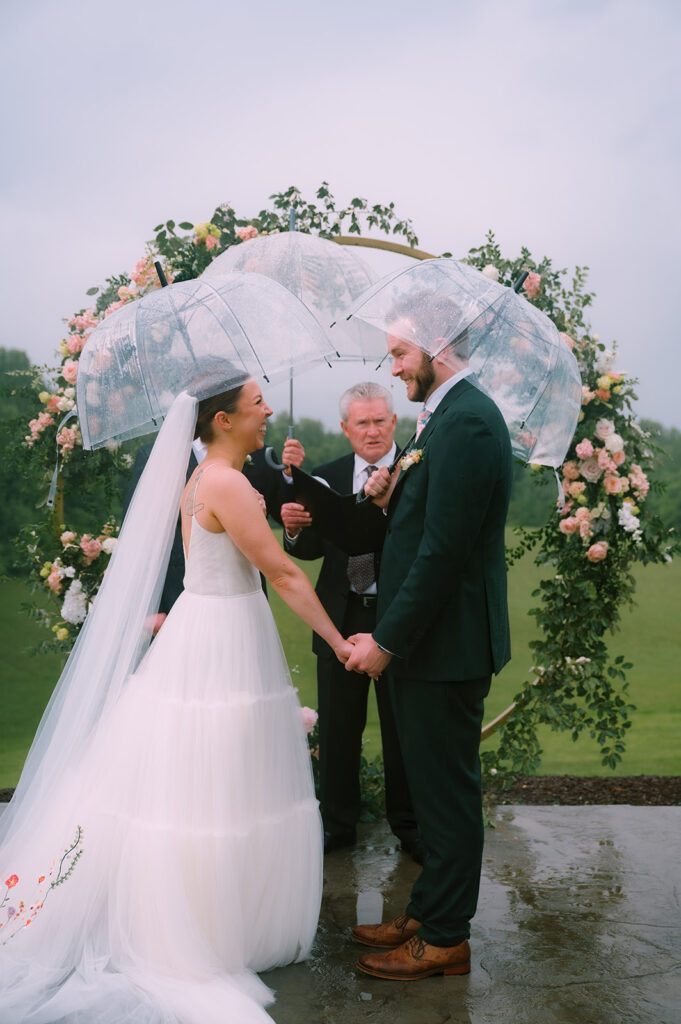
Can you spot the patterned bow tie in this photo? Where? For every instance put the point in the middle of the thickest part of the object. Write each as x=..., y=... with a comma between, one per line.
x=421, y=421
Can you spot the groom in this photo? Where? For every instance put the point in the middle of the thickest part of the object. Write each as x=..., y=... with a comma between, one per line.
x=442, y=631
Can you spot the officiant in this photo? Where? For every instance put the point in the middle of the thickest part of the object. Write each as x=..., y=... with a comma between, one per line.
x=347, y=589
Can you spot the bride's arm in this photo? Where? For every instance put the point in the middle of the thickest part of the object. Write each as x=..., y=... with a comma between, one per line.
x=234, y=504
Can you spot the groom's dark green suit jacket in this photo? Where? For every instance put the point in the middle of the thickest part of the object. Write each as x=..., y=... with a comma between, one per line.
x=442, y=606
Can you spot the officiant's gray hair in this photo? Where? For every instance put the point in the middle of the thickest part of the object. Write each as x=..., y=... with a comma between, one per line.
x=367, y=390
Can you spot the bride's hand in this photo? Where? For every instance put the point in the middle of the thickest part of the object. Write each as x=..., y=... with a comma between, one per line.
x=261, y=501
x=343, y=650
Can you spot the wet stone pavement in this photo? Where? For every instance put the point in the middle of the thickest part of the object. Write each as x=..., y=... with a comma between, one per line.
x=579, y=922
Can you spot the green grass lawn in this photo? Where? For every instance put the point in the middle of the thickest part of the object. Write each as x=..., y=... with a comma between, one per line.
x=650, y=638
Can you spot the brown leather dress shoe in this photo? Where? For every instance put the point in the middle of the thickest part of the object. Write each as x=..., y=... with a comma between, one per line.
x=417, y=959
x=386, y=936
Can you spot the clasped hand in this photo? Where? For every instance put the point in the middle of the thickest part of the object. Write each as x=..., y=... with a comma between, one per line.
x=366, y=656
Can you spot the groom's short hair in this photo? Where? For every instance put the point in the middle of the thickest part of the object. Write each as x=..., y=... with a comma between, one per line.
x=432, y=316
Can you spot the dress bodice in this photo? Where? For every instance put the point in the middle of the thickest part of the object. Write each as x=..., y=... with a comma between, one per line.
x=215, y=565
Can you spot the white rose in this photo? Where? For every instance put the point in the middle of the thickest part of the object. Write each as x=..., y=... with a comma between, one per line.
x=70, y=571
x=70, y=392
x=614, y=443
x=491, y=271
x=108, y=544
x=604, y=428
x=590, y=470
x=65, y=404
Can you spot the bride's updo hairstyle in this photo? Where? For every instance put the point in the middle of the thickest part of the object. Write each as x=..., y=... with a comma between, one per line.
x=220, y=398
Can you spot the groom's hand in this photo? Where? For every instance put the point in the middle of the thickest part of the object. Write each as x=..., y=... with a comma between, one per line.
x=366, y=656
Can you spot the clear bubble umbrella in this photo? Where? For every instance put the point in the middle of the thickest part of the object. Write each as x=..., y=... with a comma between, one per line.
x=325, y=276
x=517, y=355
x=230, y=328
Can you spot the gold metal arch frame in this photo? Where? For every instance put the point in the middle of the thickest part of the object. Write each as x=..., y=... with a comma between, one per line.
x=418, y=254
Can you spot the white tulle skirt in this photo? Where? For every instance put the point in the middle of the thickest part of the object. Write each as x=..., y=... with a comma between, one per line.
x=201, y=841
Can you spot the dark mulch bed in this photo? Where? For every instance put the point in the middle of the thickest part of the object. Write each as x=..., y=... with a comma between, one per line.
x=640, y=790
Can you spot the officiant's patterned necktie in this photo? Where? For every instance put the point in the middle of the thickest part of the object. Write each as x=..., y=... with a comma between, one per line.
x=421, y=421
x=362, y=568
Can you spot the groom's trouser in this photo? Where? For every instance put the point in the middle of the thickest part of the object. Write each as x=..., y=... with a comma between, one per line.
x=438, y=724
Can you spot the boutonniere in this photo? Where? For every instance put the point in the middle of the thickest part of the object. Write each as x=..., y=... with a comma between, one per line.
x=411, y=458
x=249, y=460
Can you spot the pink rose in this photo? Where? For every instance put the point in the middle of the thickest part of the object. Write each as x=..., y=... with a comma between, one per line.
x=585, y=449
x=310, y=717
x=568, y=340
x=618, y=458
x=532, y=285
x=74, y=343
x=604, y=428
x=585, y=530
x=90, y=547
x=124, y=293
x=605, y=461
x=66, y=438
x=248, y=232
x=211, y=242
x=69, y=371
x=570, y=470
x=639, y=482
x=597, y=551
x=84, y=321
x=576, y=488
x=587, y=396
x=67, y=537
x=568, y=525
x=52, y=404
x=113, y=307
x=583, y=515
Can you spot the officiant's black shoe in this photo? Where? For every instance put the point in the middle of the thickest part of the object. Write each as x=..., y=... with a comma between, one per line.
x=338, y=840
x=414, y=847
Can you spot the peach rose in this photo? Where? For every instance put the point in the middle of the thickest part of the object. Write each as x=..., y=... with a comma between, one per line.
x=603, y=394
x=576, y=488
x=585, y=449
x=605, y=461
x=612, y=483
x=53, y=403
x=591, y=470
x=570, y=470
x=532, y=285
x=587, y=396
x=54, y=581
x=211, y=242
x=67, y=537
x=618, y=458
x=569, y=525
x=597, y=551
x=69, y=371
x=247, y=232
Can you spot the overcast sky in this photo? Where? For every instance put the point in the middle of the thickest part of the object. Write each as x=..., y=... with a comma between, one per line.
x=554, y=122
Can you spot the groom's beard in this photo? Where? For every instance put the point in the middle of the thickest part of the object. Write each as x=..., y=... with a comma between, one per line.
x=424, y=380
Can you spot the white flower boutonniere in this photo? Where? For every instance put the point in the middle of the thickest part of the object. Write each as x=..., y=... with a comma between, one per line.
x=249, y=460
x=411, y=458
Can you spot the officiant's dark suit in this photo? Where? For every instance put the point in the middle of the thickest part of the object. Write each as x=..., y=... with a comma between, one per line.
x=442, y=613
x=269, y=482
x=342, y=699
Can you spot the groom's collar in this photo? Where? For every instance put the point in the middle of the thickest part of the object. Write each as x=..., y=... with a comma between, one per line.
x=435, y=397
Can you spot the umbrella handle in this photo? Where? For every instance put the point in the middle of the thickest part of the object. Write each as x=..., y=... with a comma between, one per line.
x=520, y=281
x=269, y=457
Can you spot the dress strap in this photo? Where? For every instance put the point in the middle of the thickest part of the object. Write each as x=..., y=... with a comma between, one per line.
x=192, y=507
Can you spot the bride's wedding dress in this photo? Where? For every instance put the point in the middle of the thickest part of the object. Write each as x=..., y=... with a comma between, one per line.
x=201, y=839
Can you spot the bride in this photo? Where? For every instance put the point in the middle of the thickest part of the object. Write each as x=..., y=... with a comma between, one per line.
x=164, y=842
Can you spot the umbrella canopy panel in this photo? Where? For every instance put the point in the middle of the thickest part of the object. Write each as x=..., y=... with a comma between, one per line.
x=327, y=277
x=517, y=356
x=205, y=336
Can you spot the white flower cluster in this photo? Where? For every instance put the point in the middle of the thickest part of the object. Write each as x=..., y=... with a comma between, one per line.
x=108, y=544
x=64, y=570
x=74, y=608
x=629, y=522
